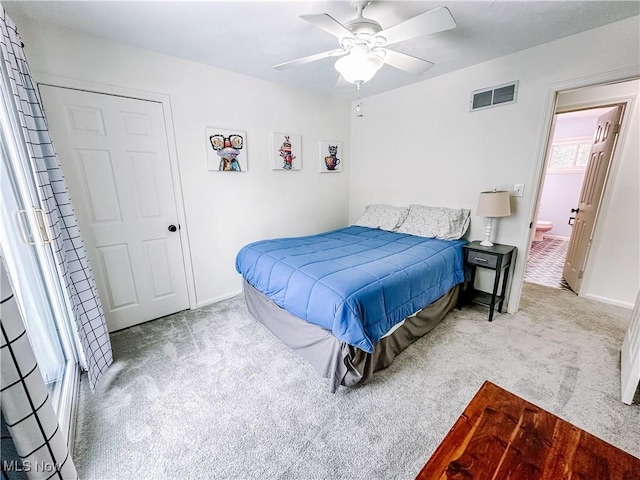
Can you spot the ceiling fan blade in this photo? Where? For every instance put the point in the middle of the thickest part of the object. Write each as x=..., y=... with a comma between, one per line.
x=405, y=62
x=328, y=24
x=436, y=20
x=311, y=58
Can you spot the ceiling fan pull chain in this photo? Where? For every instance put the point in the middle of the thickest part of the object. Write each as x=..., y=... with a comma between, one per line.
x=359, y=113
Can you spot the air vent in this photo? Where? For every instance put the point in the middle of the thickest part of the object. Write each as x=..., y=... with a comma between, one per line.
x=494, y=96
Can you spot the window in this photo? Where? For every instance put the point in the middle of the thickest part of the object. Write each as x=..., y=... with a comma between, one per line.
x=32, y=267
x=570, y=155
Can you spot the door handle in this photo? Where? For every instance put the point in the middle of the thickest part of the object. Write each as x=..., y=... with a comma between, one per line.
x=173, y=228
x=23, y=223
x=28, y=236
x=572, y=220
x=42, y=225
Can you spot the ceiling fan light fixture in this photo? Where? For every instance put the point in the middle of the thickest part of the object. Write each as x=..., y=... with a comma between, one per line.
x=358, y=67
x=378, y=41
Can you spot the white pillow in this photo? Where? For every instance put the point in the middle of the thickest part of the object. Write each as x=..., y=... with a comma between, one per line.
x=384, y=217
x=436, y=222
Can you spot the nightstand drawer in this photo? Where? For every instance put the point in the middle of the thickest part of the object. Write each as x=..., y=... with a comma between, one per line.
x=482, y=259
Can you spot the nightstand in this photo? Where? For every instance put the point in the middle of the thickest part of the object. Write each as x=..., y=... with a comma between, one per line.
x=497, y=258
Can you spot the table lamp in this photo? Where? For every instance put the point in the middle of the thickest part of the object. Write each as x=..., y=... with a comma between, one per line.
x=492, y=205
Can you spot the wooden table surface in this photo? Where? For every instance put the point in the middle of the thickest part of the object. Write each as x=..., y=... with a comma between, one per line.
x=501, y=436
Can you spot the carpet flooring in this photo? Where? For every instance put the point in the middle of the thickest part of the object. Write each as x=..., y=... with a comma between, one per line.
x=211, y=394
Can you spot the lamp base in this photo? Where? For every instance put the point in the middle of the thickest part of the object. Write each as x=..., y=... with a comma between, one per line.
x=487, y=233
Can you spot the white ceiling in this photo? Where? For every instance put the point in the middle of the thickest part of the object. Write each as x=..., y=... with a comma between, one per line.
x=251, y=37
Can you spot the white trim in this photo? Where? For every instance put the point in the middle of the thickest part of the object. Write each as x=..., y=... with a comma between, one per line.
x=564, y=171
x=69, y=403
x=572, y=140
x=219, y=298
x=529, y=219
x=609, y=301
x=165, y=100
x=605, y=78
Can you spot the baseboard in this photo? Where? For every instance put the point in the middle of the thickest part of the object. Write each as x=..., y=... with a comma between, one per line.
x=226, y=296
x=556, y=237
x=609, y=301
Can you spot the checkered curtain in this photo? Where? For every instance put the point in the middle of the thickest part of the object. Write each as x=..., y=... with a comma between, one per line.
x=67, y=243
x=27, y=412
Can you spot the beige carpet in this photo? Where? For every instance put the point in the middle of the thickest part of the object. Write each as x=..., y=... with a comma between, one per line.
x=210, y=394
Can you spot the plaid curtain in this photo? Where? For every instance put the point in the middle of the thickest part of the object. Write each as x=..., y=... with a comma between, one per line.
x=27, y=413
x=69, y=250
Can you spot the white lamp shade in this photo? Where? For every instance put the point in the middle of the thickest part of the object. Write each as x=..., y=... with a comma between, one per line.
x=494, y=204
x=358, y=67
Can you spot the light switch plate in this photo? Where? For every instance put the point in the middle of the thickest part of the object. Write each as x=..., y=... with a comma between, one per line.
x=518, y=190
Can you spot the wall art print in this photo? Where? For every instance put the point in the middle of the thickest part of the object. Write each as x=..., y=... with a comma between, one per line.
x=226, y=150
x=331, y=157
x=286, y=151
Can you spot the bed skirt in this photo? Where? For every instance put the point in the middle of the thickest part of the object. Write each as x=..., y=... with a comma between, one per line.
x=341, y=363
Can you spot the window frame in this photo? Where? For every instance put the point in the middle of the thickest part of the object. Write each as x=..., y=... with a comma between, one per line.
x=577, y=141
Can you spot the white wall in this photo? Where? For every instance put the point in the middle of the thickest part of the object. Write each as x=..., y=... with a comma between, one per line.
x=569, y=126
x=223, y=211
x=417, y=144
x=561, y=190
x=561, y=193
x=420, y=143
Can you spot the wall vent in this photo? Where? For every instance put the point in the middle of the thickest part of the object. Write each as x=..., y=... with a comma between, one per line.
x=494, y=96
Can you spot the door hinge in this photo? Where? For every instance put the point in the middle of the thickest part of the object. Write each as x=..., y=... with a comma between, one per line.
x=616, y=129
x=580, y=273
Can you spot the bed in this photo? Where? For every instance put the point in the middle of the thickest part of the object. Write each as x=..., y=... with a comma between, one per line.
x=349, y=300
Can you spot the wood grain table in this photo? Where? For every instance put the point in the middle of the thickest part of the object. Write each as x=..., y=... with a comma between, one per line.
x=501, y=436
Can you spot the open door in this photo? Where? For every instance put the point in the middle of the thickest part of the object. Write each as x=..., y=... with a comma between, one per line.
x=631, y=356
x=585, y=213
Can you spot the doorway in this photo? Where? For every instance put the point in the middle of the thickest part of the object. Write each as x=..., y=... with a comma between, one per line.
x=610, y=273
x=571, y=139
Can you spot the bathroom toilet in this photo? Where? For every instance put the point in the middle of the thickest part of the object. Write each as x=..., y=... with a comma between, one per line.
x=541, y=228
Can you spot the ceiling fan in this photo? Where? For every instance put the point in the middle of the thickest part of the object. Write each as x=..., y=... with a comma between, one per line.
x=363, y=43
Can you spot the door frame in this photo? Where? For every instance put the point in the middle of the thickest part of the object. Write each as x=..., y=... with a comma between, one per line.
x=611, y=171
x=600, y=79
x=165, y=101
x=592, y=105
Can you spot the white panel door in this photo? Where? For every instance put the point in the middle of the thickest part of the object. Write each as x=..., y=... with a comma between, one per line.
x=631, y=356
x=595, y=176
x=115, y=158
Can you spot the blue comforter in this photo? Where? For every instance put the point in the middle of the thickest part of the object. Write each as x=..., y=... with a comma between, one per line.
x=357, y=282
